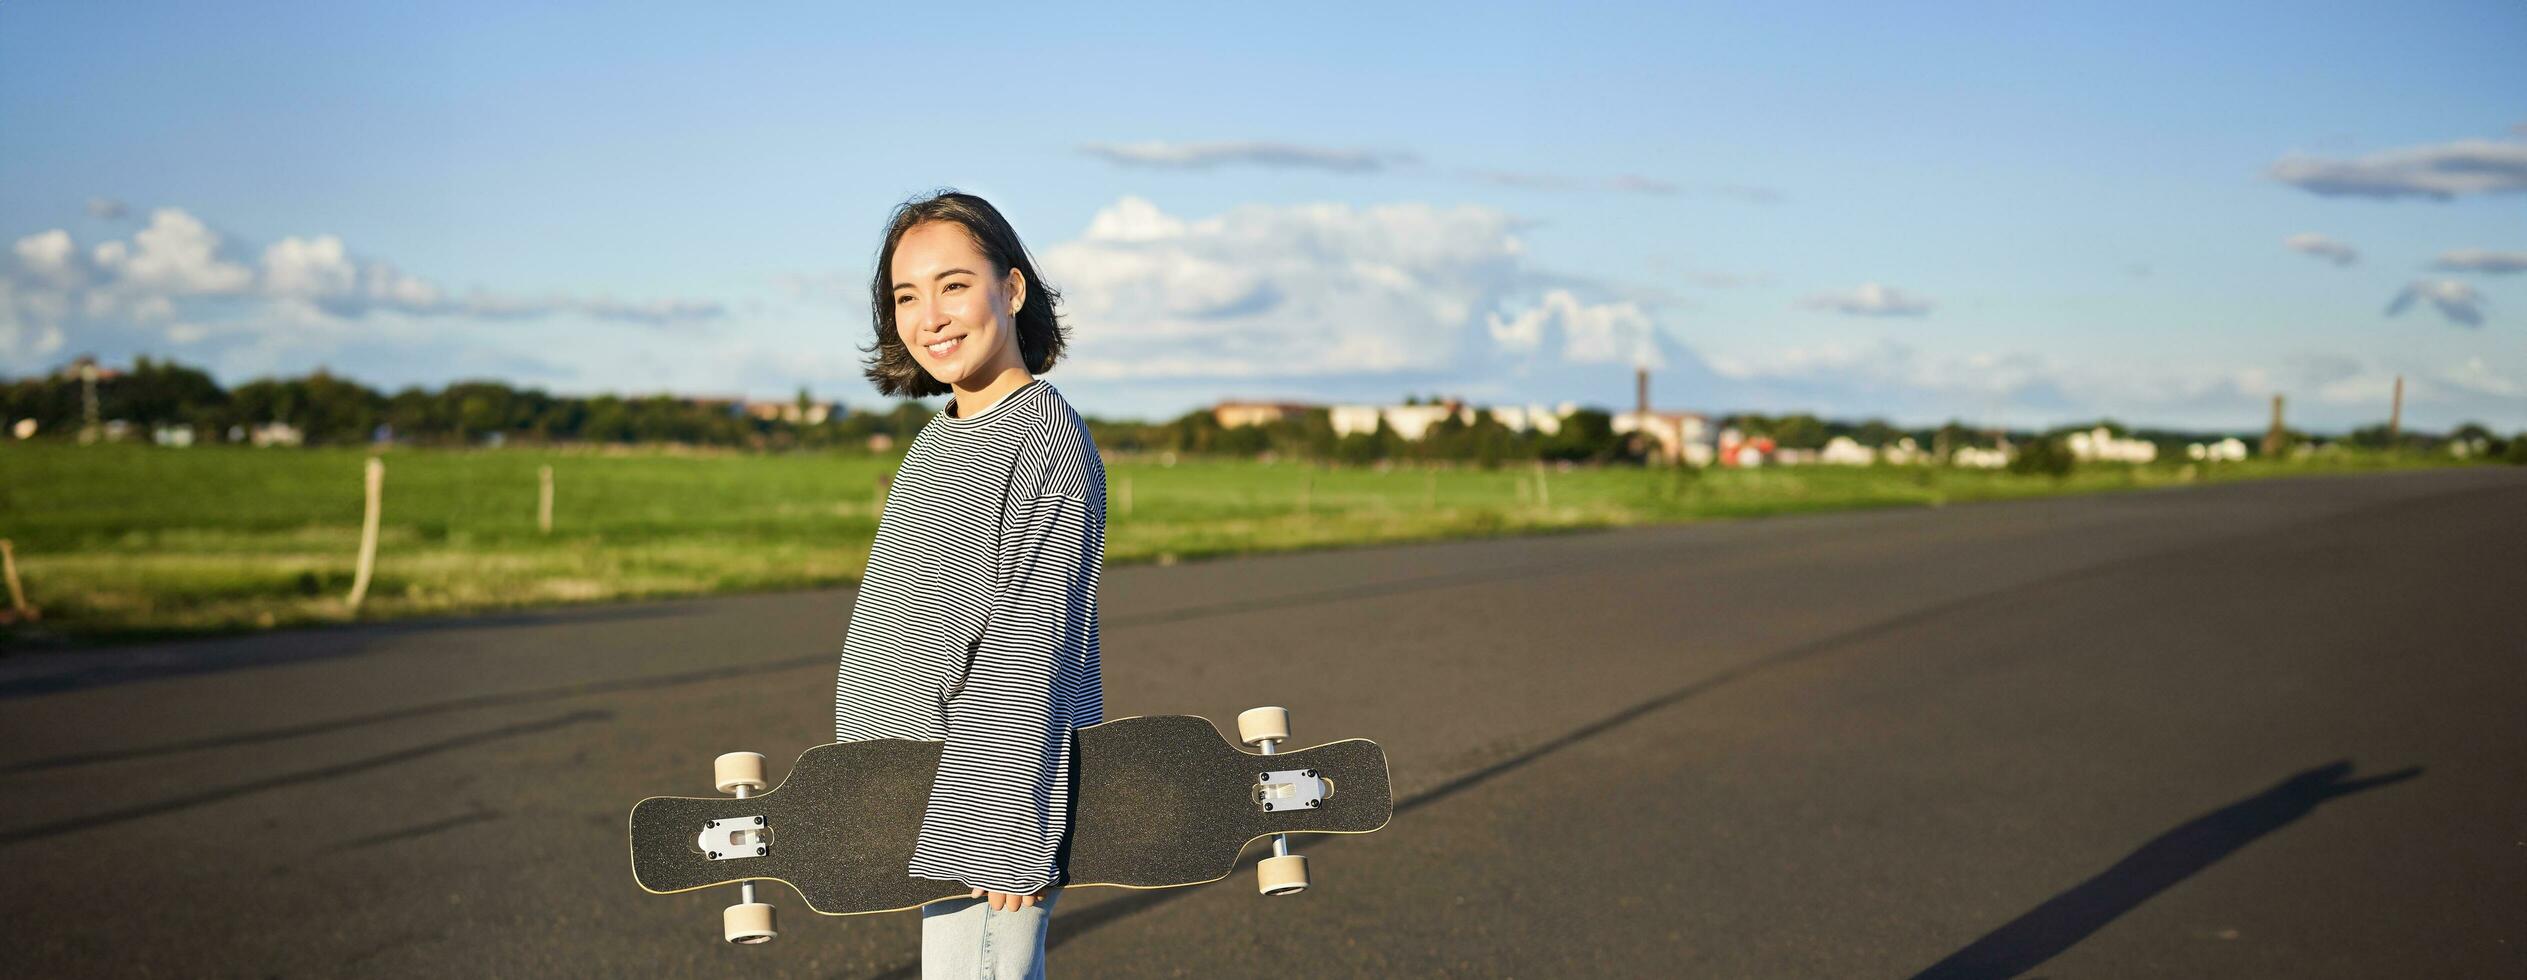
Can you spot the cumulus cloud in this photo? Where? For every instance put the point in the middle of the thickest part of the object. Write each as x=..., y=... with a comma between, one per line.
x=1322, y=290
x=1204, y=156
x=2322, y=247
x=2482, y=260
x=1870, y=299
x=2457, y=301
x=177, y=255
x=2439, y=171
x=1592, y=333
x=107, y=209
x=182, y=279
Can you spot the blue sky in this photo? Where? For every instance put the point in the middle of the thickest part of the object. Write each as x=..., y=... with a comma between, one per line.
x=2004, y=213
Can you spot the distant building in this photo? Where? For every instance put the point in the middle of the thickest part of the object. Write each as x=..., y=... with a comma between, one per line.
x=173, y=436
x=1973, y=457
x=1410, y=422
x=2227, y=450
x=1684, y=436
x=1533, y=418
x=813, y=413
x=1233, y=415
x=277, y=434
x=1846, y=451
x=2102, y=445
x=1739, y=449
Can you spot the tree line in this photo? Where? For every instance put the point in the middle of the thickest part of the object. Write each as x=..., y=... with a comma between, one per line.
x=328, y=409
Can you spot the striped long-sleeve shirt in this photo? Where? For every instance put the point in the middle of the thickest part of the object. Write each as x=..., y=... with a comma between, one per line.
x=976, y=624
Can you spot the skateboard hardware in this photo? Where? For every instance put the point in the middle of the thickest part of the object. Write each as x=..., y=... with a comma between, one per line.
x=1283, y=873
x=734, y=838
x=748, y=922
x=1289, y=789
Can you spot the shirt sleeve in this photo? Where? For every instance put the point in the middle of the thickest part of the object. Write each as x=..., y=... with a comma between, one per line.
x=1001, y=800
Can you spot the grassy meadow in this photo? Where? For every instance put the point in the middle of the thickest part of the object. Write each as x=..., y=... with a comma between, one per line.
x=128, y=540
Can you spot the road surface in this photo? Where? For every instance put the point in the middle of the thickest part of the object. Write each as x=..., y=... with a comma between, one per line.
x=2266, y=729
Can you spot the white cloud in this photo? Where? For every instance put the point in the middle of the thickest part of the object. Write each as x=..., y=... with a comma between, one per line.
x=175, y=281
x=1870, y=299
x=1316, y=289
x=1592, y=333
x=2477, y=377
x=2322, y=247
x=177, y=255
x=2482, y=260
x=2457, y=301
x=2440, y=171
x=52, y=257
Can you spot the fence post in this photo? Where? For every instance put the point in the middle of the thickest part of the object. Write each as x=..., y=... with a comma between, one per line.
x=1544, y=493
x=17, y=593
x=368, y=533
x=544, y=502
x=1127, y=496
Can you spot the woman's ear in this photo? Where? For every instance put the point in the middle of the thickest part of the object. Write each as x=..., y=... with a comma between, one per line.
x=1017, y=286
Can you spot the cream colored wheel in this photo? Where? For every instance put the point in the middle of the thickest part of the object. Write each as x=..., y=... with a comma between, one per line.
x=748, y=924
x=1258, y=725
x=738, y=769
x=1284, y=875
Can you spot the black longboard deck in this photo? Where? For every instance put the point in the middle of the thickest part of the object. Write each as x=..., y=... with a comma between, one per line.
x=1163, y=800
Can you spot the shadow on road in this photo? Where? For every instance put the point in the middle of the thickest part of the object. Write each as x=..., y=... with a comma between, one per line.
x=2060, y=923
x=501, y=700
x=336, y=771
x=32, y=674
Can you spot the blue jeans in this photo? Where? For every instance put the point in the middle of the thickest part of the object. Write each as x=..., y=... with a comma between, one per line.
x=965, y=938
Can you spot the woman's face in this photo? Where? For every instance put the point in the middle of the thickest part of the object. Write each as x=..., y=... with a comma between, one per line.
x=952, y=313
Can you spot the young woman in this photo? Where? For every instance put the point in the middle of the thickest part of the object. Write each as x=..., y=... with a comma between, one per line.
x=976, y=622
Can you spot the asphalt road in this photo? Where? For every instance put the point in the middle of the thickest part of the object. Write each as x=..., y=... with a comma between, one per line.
x=2270, y=729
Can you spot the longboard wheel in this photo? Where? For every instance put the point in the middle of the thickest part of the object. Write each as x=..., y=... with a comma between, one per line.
x=1257, y=725
x=1283, y=875
x=748, y=924
x=737, y=769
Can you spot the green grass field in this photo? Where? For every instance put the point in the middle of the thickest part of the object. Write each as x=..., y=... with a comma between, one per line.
x=123, y=540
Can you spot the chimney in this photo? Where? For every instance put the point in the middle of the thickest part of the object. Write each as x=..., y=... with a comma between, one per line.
x=2274, y=435
x=2395, y=415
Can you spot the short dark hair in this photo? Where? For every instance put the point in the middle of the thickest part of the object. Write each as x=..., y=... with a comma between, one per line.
x=1041, y=335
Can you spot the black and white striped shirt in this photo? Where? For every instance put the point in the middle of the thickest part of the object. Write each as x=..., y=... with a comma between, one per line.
x=976, y=624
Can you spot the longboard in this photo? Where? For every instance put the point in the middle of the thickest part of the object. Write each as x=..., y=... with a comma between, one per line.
x=1162, y=801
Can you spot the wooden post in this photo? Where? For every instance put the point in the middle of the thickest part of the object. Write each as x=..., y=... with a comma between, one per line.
x=2273, y=436
x=544, y=502
x=1307, y=491
x=1544, y=493
x=2395, y=415
x=1127, y=496
x=17, y=593
x=1430, y=492
x=368, y=532
x=877, y=501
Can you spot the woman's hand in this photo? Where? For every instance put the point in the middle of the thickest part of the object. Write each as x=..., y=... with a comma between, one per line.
x=1010, y=901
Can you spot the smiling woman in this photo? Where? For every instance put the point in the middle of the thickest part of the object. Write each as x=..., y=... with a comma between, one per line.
x=976, y=622
x=952, y=272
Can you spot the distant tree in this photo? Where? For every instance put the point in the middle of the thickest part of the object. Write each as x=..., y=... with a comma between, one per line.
x=1875, y=433
x=2043, y=456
